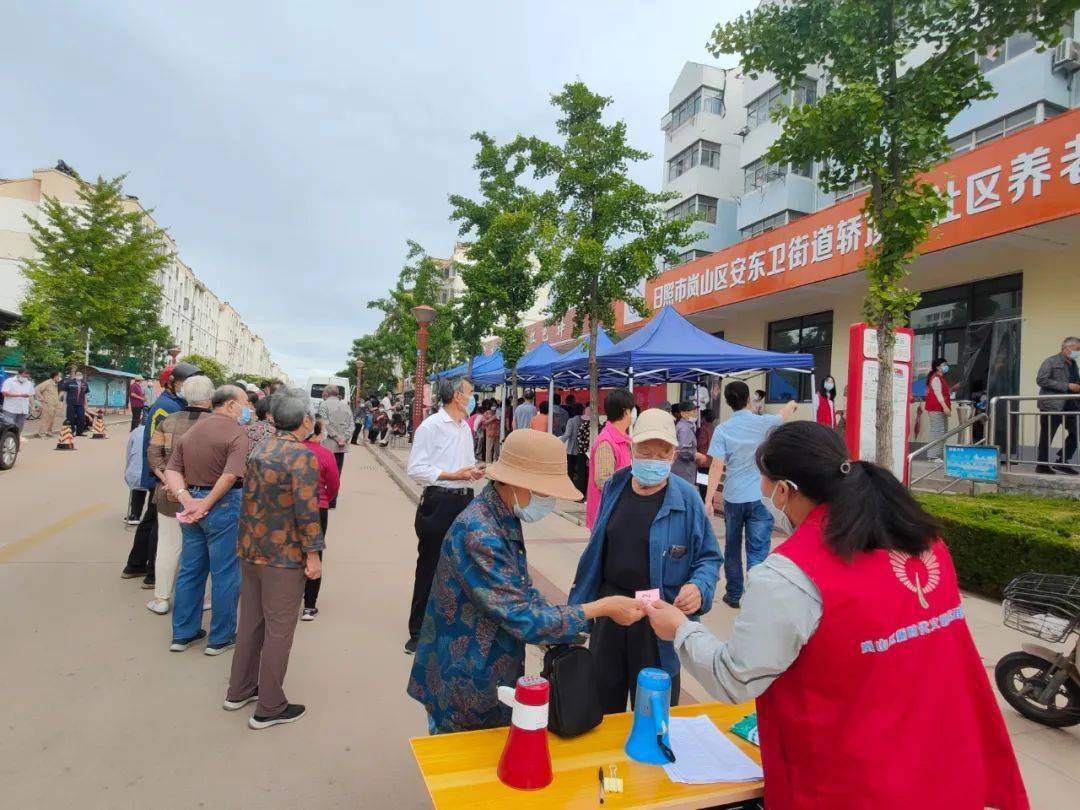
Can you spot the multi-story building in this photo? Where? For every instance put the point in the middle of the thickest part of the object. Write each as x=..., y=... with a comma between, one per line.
x=199, y=322
x=991, y=275
x=701, y=153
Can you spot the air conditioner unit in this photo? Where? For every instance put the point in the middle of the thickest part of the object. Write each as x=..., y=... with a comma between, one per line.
x=1067, y=56
x=665, y=122
x=742, y=133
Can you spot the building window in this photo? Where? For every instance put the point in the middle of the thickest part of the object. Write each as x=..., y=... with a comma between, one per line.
x=809, y=334
x=997, y=55
x=708, y=98
x=699, y=206
x=973, y=326
x=700, y=153
x=688, y=256
x=761, y=172
x=853, y=190
x=767, y=224
x=1006, y=125
x=759, y=111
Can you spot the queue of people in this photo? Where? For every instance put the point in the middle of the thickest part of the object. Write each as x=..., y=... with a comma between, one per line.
x=239, y=484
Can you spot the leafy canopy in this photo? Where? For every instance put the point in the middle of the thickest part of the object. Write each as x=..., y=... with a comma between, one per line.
x=94, y=275
x=502, y=276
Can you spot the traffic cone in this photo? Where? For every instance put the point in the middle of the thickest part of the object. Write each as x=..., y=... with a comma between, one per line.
x=97, y=430
x=67, y=440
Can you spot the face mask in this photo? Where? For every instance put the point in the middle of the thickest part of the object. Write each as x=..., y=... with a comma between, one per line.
x=1075, y=355
x=944, y=368
x=650, y=471
x=470, y=406
x=781, y=521
x=78, y=376
x=245, y=416
x=829, y=386
x=539, y=507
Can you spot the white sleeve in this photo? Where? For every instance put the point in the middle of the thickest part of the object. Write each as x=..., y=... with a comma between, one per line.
x=781, y=610
x=420, y=468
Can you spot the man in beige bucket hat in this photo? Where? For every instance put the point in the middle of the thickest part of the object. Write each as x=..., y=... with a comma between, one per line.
x=483, y=608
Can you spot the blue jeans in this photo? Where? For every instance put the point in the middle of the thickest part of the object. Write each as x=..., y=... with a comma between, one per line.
x=759, y=525
x=209, y=548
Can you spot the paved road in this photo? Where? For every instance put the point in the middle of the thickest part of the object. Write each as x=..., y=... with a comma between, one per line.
x=99, y=714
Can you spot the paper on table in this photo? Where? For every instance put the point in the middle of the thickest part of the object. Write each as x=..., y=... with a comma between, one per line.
x=703, y=754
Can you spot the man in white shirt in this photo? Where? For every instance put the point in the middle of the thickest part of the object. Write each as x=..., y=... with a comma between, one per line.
x=17, y=391
x=442, y=461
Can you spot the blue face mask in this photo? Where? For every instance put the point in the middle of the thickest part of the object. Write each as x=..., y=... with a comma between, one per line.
x=245, y=416
x=470, y=406
x=538, y=508
x=650, y=471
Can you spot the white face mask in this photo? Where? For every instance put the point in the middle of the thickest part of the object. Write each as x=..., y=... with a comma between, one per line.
x=829, y=386
x=1075, y=354
x=781, y=522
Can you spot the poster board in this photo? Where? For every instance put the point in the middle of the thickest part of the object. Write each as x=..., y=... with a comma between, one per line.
x=863, y=373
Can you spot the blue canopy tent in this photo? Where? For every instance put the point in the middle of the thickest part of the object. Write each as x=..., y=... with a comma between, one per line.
x=570, y=365
x=671, y=349
x=534, y=367
x=490, y=365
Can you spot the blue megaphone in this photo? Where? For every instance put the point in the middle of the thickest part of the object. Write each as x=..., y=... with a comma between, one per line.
x=649, y=741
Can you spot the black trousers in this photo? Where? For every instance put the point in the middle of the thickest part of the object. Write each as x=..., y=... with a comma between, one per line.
x=311, y=586
x=136, y=417
x=437, y=510
x=144, y=548
x=76, y=417
x=1048, y=427
x=619, y=654
x=136, y=503
x=339, y=458
x=357, y=430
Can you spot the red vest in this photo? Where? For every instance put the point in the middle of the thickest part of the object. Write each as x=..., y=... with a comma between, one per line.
x=932, y=402
x=888, y=705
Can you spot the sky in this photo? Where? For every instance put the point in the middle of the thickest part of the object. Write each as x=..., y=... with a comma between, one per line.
x=291, y=149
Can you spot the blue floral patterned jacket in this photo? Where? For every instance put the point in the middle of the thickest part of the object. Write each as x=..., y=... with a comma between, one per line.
x=482, y=611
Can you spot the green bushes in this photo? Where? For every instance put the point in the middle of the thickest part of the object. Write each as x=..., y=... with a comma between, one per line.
x=993, y=538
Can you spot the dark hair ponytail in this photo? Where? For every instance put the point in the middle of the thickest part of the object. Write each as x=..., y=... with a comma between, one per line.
x=868, y=508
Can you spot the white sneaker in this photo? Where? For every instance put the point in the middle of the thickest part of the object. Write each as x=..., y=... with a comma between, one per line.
x=158, y=606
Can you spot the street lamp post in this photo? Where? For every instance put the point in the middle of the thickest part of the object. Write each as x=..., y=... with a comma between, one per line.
x=424, y=315
x=359, y=373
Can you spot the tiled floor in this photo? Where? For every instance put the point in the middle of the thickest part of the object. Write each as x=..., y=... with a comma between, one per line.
x=1049, y=758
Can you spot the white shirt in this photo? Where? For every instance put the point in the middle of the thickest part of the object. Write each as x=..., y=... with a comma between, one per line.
x=781, y=610
x=386, y=404
x=15, y=385
x=441, y=445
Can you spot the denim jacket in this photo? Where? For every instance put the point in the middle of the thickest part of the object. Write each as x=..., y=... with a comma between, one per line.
x=682, y=549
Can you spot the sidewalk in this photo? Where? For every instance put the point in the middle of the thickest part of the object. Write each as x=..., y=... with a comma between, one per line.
x=1049, y=758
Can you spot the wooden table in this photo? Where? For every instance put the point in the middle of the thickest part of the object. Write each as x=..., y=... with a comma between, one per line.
x=459, y=769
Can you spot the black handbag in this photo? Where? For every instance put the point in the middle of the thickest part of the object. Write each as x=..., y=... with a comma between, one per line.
x=574, y=706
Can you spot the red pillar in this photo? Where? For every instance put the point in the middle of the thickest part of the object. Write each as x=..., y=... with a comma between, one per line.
x=418, y=379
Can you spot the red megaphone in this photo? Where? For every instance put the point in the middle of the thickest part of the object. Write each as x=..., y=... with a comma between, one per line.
x=526, y=762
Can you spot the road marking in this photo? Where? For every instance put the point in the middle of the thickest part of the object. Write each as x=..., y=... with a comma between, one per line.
x=12, y=550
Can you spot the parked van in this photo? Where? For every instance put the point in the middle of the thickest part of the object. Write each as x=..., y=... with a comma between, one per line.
x=316, y=386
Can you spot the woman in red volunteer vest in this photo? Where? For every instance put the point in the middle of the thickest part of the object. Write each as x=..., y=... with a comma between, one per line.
x=938, y=404
x=852, y=638
x=826, y=402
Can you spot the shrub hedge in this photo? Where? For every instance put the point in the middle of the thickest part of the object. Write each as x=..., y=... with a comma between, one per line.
x=995, y=537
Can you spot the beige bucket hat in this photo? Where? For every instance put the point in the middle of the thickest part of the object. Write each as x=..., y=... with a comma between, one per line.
x=654, y=424
x=536, y=461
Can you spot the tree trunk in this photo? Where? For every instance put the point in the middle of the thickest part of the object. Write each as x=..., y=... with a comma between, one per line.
x=594, y=389
x=468, y=367
x=883, y=440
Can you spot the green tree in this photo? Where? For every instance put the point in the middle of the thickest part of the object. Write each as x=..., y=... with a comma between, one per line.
x=883, y=119
x=92, y=282
x=603, y=233
x=418, y=284
x=212, y=369
x=379, y=364
x=503, y=275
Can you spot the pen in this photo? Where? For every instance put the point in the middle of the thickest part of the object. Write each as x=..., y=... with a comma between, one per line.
x=600, y=774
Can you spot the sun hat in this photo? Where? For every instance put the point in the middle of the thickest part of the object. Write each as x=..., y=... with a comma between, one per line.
x=654, y=424
x=534, y=460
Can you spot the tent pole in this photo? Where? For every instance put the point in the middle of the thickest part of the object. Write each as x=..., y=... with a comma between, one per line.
x=503, y=410
x=551, y=403
x=630, y=379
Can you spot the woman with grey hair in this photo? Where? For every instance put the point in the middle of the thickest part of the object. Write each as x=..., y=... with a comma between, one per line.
x=279, y=543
